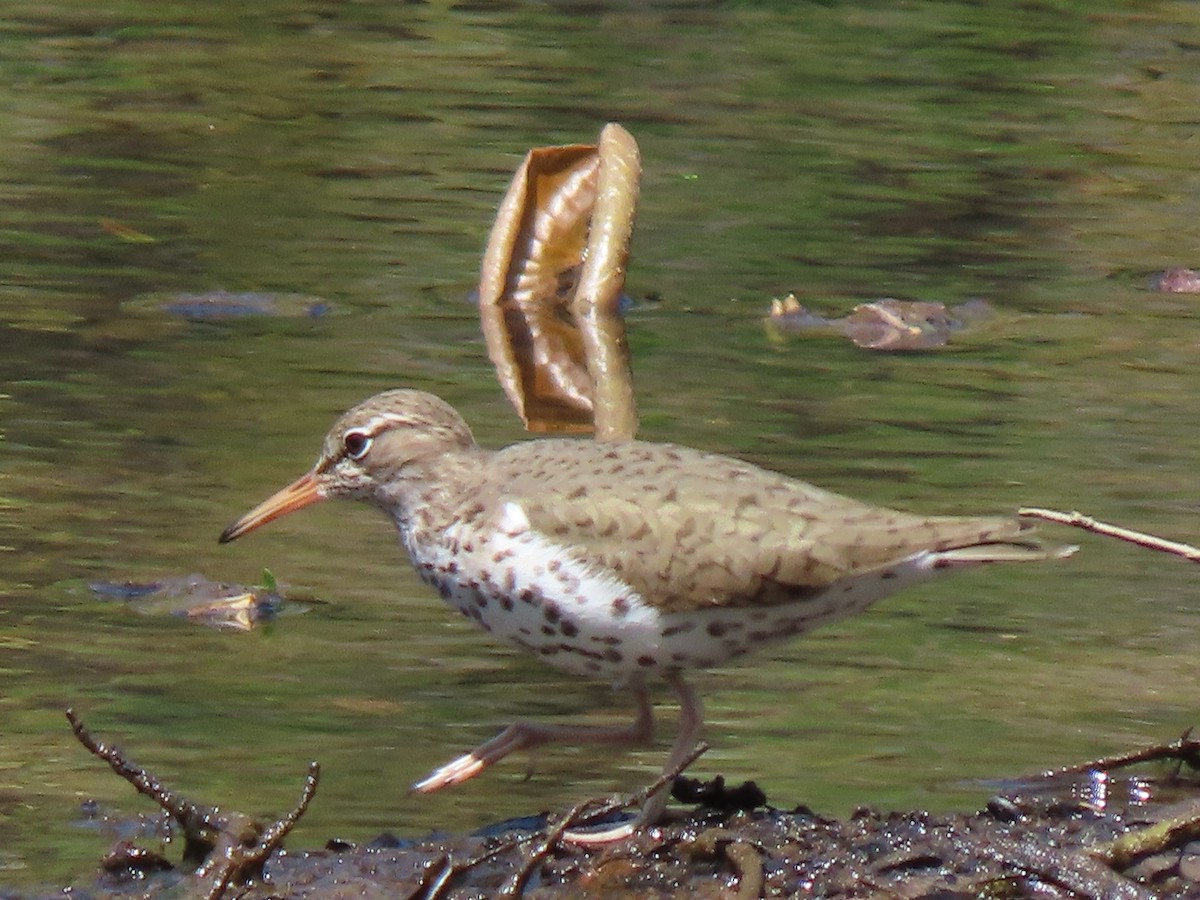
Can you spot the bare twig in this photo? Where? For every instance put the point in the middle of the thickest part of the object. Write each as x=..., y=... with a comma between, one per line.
x=200, y=824
x=244, y=845
x=576, y=816
x=230, y=848
x=438, y=872
x=1087, y=523
x=432, y=888
x=666, y=777
x=516, y=884
x=275, y=834
x=1186, y=750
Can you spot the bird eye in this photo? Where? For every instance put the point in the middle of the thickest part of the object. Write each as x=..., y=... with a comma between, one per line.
x=356, y=444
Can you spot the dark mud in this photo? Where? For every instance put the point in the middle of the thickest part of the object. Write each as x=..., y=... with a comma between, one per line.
x=1092, y=831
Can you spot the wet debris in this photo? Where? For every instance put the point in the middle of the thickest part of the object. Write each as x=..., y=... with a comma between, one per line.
x=221, y=849
x=887, y=324
x=1045, y=837
x=714, y=794
x=217, y=604
x=1176, y=281
x=1184, y=751
x=127, y=861
x=743, y=856
x=218, y=305
x=564, y=832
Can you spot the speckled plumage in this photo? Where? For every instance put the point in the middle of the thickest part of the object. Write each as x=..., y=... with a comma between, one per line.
x=622, y=560
x=608, y=559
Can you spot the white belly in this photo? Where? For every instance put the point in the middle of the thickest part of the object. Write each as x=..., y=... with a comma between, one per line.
x=527, y=590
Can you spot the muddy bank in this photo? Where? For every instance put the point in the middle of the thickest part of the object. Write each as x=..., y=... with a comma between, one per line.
x=1123, y=827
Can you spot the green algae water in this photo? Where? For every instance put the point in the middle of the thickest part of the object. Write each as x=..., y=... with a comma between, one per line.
x=1039, y=157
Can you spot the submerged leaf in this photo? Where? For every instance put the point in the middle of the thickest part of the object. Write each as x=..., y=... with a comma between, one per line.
x=890, y=324
x=1176, y=281
x=886, y=324
x=216, y=604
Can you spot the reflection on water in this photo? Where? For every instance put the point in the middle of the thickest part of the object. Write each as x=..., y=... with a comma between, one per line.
x=1033, y=157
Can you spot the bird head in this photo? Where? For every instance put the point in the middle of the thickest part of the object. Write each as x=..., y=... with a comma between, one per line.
x=369, y=454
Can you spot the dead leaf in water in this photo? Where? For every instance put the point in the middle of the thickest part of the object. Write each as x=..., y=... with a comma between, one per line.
x=217, y=604
x=898, y=325
x=1176, y=281
x=886, y=324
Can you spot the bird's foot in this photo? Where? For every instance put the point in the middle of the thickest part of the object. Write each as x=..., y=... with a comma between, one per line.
x=464, y=768
x=527, y=736
x=602, y=836
x=654, y=806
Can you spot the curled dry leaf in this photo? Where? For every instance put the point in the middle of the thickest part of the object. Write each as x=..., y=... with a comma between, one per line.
x=217, y=604
x=890, y=324
x=550, y=287
x=885, y=324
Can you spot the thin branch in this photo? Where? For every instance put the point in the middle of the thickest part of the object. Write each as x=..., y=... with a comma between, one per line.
x=1186, y=750
x=515, y=885
x=576, y=816
x=228, y=847
x=437, y=874
x=667, y=776
x=1087, y=523
x=274, y=835
x=448, y=870
x=244, y=845
x=200, y=824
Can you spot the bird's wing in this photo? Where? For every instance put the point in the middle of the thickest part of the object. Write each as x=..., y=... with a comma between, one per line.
x=690, y=530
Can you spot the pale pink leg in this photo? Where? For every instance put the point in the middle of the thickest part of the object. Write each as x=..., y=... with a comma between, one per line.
x=527, y=735
x=691, y=723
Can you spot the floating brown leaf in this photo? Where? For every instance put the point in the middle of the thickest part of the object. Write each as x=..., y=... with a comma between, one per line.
x=550, y=286
x=887, y=324
x=898, y=325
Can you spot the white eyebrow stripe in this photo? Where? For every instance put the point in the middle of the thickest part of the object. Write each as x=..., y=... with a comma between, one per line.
x=377, y=423
x=369, y=429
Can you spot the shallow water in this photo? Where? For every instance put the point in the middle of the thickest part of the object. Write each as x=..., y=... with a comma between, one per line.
x=1035, y=156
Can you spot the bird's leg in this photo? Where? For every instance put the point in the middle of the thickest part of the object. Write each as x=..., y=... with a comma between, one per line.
x=527, y=735
x=691, y=723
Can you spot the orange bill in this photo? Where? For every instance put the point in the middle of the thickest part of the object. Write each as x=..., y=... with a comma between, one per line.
x=300, y=493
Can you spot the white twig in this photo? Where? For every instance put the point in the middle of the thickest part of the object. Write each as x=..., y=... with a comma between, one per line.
x=1087, y=523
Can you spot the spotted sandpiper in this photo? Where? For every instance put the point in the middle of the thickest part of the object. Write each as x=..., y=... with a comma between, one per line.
x=623, y=561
